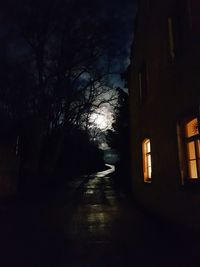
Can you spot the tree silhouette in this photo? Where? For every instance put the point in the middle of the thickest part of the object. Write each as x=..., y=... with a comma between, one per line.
x=55, y=69
x=65, y=65
x=119, y=140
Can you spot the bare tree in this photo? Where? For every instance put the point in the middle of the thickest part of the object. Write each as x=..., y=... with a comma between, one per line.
x=65, y=61
x=59, y=60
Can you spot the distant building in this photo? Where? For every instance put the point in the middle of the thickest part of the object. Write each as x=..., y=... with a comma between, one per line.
x=165, y=109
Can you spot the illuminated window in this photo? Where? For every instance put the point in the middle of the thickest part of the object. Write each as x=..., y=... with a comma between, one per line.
x=192, y=148
x=147, y=169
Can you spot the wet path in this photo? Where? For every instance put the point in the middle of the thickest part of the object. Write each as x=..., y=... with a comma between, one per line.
x=106, y=230
x=97, y=227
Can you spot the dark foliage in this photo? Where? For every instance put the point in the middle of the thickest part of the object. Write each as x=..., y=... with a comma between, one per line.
x=55, y=60
x=119, y=140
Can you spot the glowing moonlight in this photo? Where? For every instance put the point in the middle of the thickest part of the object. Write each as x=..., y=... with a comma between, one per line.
x=102, y=118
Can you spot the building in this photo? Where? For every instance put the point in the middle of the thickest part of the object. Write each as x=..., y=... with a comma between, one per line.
x=165, y=109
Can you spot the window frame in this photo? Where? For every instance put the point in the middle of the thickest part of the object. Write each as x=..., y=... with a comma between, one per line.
x=192, y=139
x=183, y=142
x=147, y=175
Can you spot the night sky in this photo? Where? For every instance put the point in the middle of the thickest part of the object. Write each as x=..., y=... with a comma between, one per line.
x=117, y=15
x=120, y=14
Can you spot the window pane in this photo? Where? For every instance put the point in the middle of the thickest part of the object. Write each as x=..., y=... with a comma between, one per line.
x=191, y=150
x=148, y=160
x=191, y=128
x=193, y=169
x=148, y=148
x=149, y=172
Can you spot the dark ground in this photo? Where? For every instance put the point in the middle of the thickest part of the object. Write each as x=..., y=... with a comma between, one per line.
x=93, y=226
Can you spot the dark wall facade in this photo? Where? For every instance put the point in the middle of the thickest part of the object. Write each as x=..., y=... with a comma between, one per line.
x=164, y=95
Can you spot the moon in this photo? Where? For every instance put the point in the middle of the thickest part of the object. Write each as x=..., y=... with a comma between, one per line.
x=101, y=118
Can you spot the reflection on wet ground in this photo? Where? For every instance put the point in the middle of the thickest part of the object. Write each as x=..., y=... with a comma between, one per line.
x=106, y=230
x=96, y=223
x=98, y=227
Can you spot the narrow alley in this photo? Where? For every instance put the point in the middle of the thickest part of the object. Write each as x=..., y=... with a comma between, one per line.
x=97, y=227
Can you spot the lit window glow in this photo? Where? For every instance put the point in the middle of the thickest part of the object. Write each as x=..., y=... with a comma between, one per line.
x=192, y=128
x=193, y=148
x=147, y=167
